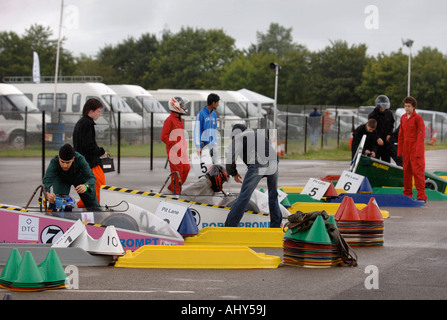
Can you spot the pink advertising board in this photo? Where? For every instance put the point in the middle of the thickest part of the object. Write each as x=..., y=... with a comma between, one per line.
x=21, y=226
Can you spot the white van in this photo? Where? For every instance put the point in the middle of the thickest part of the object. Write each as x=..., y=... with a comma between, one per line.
x=12, y=116
x=70, y=99
x=242, y=107
x=197, y=100
x=263, y=103
x=434, y=121
x=143, y=103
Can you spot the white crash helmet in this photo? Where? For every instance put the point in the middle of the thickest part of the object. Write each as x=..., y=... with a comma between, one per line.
x=178, y=104
x=383, y=102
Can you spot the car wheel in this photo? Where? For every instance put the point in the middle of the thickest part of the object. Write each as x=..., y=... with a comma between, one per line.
x=121, y=220
x=17, y=141
x=431, y=184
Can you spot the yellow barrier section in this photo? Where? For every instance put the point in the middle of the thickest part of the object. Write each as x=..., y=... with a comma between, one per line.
x=330, y=208
x=250, y=237
x=299, y=189
x=197, y=257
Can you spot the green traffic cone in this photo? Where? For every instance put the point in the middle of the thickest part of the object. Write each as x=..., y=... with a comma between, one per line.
x=293, y=235
x=285, y=202
x=11, y=269
x=331, y=219
x=52, y=268
x=318, y=232
x=28, y=272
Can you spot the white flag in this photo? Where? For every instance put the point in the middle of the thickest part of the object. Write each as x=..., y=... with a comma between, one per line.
x=36, y=68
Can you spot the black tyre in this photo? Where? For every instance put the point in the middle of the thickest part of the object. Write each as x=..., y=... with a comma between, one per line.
x=120, y=220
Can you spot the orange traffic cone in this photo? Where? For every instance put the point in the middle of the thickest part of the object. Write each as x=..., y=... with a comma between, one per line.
x=433, y=138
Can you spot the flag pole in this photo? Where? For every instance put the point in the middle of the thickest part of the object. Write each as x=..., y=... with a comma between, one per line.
x=57, y=56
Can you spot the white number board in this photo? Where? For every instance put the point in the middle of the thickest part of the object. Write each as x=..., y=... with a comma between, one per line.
x=171, y=213
x=315, y=188
x=201, y=164
x=350, y=182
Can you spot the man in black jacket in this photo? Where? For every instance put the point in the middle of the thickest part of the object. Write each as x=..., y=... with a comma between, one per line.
x=84, y=140
x=385, y=127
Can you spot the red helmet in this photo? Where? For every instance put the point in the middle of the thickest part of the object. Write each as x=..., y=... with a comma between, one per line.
x=217, y=176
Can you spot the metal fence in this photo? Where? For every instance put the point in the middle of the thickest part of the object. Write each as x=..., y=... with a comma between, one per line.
x=296, y=131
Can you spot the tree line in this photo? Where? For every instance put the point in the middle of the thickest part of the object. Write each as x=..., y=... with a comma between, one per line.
x=340, y=74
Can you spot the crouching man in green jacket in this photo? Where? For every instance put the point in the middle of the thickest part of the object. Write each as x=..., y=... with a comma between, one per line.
x=67, y=169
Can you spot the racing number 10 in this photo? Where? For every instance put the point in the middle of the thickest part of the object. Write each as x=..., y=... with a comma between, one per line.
x=112, y=241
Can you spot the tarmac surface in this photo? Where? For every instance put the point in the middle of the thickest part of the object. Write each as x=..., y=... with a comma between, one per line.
x=410, y=266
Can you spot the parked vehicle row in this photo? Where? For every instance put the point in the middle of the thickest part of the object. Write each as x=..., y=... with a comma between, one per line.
x=21, y=106
x=136, y=106
x=17, y=112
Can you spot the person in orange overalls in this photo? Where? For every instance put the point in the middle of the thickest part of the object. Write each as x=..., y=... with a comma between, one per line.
x=411, y=147
x=173, y=135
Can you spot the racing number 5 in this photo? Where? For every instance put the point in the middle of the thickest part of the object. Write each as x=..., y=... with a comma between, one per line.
x=313, y=192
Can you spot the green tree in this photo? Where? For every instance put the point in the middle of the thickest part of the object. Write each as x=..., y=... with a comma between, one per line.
x=89, y=66
x=336, y=71
x=190, y=59
x=429, y=79
x=129, y=59
x=277, y=40
x=16, y=53
x=251, y=72
x=294, y=78
x=385, y=74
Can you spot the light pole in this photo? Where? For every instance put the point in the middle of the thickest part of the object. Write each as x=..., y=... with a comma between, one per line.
x=409, y=44
x=276, y=67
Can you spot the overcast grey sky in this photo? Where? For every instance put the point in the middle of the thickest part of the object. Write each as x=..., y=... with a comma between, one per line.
x=380, y=24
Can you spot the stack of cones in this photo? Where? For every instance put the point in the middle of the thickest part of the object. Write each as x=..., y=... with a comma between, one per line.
x=23, y=274
x=360, y=228
x=311, y=248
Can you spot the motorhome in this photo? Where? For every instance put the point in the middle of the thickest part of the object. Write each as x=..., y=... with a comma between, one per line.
x=435, y=121
x=19, y=117
x=70, y=99
x=197, y=99
x=144, y=104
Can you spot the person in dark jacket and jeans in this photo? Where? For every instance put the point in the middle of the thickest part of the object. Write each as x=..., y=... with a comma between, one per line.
x=84, y=140
x=262, y=161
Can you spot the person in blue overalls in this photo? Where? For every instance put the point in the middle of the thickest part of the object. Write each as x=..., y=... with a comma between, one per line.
x=205, y=130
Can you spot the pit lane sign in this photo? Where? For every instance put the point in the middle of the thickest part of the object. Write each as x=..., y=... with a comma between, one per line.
x=315, y=188
x=349, y=181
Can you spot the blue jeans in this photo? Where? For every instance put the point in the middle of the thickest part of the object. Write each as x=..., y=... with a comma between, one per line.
x=314, y=135
x=249, y=185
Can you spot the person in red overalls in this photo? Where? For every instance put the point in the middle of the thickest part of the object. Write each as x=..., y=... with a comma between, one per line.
x=173, y=135
x=411, y=147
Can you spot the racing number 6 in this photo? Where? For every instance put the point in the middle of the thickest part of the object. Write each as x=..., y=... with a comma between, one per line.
x=347, y=186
